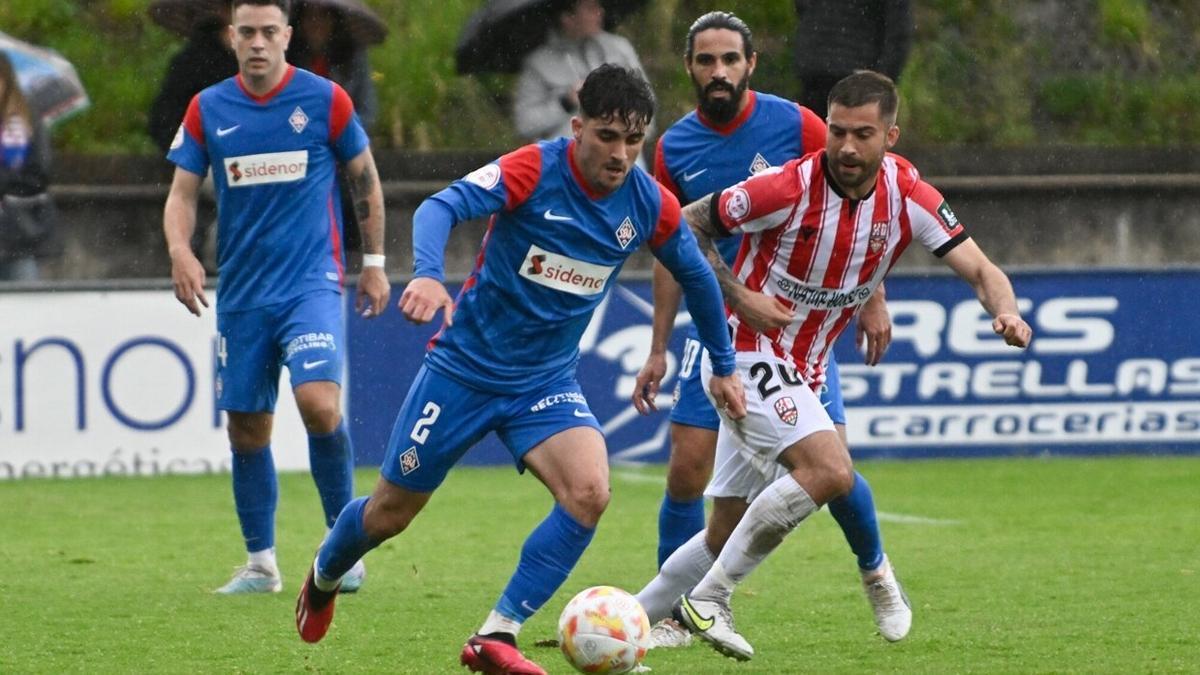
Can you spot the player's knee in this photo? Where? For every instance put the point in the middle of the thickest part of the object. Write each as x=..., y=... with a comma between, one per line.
x=839, y=478
x=321, y=417
x=586, y=503
x=248, y=433
x=687, y=473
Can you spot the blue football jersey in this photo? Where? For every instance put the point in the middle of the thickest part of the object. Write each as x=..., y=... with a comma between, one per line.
x=551, y=252
x=274, y=160
x=695, y=157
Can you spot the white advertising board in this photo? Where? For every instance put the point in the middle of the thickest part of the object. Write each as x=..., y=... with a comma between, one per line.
x=117, y=383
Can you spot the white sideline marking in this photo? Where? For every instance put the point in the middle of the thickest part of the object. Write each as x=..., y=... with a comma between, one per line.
x=886, y=517
x=637, y=477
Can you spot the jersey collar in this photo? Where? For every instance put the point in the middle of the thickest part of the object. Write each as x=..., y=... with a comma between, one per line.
x=837, y=190
x=265, y=98
x=732, y=125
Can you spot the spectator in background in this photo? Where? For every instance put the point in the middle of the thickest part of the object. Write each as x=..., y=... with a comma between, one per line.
x=26, y=212
x=547, y=94
x=206, y=59
x=836, y=37
x=322, y=43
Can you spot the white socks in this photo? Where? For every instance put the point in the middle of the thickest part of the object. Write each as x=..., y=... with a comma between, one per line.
x=687, y=565
x=264, y=559
x=498, y=623
x=774, y=513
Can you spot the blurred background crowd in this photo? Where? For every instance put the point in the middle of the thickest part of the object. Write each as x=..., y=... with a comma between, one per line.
x=448, y=75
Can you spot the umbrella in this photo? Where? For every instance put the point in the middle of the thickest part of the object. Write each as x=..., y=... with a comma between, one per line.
x=498, y=36
x=49, y=82
x=365, y=26
x=182, y=16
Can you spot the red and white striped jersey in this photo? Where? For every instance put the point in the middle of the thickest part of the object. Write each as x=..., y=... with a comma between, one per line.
x=823, y=254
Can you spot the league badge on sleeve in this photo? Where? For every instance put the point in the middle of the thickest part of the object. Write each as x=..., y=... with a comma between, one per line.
x=785, y=407
x=177, y=142
x=486, y=176
x=737, y=204
x=949, y=220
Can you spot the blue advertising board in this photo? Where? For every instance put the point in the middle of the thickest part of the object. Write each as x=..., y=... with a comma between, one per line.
x=1114, y=367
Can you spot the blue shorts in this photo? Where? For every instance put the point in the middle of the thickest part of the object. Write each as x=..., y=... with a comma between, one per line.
x=441, y=419
x=693, y=409
x=306, y=334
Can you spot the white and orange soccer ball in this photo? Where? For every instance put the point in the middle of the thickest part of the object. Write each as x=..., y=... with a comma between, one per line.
x=604, y=630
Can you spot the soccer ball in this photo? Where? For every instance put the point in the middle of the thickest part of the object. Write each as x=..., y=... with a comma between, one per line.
x=604, y=630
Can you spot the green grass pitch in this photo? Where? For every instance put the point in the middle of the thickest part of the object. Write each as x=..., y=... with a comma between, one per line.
x=1012, y=565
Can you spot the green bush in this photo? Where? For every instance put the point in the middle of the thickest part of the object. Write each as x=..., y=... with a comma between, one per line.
x=981, y=71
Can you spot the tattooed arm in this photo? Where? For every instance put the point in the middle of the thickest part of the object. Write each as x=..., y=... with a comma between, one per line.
x=367, y=192
x=759, y=312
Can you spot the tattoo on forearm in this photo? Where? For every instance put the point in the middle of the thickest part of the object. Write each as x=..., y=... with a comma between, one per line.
x=698, y=216
x=363, y=188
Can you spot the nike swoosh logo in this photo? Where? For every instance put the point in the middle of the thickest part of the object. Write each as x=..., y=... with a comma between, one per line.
x=687, y=177
x=701, y=623
x=309, y=365
x=580, y=413
x=525, y=604
x=230, y=130
x=550, y=215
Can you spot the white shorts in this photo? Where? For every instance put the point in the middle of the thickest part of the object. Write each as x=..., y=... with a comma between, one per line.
x=781, y=409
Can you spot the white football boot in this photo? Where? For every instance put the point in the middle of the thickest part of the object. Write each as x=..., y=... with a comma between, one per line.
x=893, y=614
x=252, y=579
x=668, y=634
x=712, y=621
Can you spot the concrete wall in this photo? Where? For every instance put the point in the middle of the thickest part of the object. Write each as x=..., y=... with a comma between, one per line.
x=1061, y=208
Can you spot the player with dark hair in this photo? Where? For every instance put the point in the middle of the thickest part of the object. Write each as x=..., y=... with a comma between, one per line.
x=566, y=214
x=822, y=232
x=273, y=135
x=736, y=132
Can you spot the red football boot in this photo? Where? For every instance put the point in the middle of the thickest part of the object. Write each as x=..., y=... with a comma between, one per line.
x=314, y=610
x=496, y=657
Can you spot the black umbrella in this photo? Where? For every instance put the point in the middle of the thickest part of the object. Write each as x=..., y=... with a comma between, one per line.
x=498, y=36
x=366, y=28
x=182, y=16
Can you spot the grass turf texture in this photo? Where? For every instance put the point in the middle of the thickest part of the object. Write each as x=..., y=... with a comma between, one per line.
x=1031, y=565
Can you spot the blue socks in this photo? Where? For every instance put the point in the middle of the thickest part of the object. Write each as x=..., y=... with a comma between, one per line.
x=331, y=457
x=548, y=556
x=346, y=544
x=255, y=494
x=855, y=513
x=678, y=521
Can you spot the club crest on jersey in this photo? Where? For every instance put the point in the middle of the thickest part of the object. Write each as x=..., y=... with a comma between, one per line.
x=298, y=119
x=759, y=164
x=737, y=204
x=626, y=233
x=879, y=235
x=785, y=407
x=409, y=461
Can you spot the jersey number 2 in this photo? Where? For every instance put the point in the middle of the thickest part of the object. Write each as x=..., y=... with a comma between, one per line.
x=420, y=432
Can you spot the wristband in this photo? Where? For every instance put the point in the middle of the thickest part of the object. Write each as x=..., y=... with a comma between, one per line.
x=373, y=260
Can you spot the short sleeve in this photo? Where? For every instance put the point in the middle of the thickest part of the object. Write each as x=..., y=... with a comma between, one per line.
x=761, y=202
x=188, y=149
x=346, y=133
x=932, y=221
